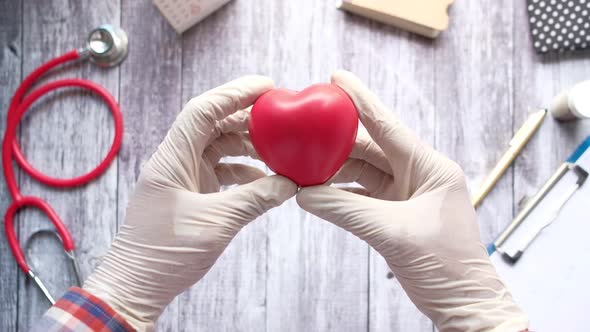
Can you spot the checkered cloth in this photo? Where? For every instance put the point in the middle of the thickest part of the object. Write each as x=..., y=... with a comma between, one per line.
x=79, y=310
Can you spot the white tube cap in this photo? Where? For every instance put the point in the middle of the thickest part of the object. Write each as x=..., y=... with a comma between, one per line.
x=573, y=103
x=579, y=100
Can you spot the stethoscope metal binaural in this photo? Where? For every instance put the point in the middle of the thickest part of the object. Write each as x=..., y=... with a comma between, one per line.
x=106, y=46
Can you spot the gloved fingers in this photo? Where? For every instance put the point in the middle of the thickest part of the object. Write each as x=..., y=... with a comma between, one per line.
x=366, y=149
x=234, y=123
x=396, y=140
x=363, y=173
x=232, y=144
x=342, y=208
x=242, y=204
x=358, y=191
x=229, y=174
x=196, y=122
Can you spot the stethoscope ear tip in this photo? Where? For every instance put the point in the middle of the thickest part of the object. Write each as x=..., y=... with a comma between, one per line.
x=107, y=45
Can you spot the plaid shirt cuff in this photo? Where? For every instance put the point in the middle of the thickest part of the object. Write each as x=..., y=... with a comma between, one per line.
x=79, y=310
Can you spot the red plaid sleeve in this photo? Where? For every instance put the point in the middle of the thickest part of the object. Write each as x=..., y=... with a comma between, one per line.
x=79, y=310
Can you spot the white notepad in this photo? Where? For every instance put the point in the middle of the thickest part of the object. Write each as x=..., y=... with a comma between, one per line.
x=551, y=281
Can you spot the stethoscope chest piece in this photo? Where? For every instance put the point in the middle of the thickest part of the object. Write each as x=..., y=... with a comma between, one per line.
x=107, y=45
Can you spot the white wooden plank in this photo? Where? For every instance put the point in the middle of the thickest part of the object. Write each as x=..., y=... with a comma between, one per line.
x=402, y=75
x=232, y=296
x=317, y=273
x=150, y=99
x=474, y=87
x=66, y=134
x=10, y=76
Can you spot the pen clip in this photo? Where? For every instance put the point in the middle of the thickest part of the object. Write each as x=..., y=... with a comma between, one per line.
x=582, y=175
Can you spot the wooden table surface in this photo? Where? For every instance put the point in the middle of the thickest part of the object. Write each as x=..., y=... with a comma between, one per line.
x=465, y=93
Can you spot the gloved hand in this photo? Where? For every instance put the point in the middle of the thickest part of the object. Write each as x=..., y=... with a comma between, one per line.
x=177, y=223
x=416, y=213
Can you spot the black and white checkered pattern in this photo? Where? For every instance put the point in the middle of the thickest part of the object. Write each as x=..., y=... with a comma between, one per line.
x=559, y=25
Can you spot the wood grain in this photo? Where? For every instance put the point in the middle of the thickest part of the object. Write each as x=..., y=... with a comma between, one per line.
x=405, y=83
x=66, y=134
x=232, y=295
x=149, y=108
x=317, y=273
x=465, y=93
x=473, y=92
x=10, y=77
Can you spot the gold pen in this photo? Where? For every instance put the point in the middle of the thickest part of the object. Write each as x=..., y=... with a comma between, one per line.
x=517, y=143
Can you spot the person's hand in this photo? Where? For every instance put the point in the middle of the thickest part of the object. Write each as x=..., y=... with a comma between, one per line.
x=177, y=223
x=416, y=213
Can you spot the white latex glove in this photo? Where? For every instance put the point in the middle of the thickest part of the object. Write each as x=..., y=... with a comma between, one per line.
x=177, y=223
x=416, y=213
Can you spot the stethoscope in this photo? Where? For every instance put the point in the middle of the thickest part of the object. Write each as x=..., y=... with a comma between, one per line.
x=106, y=47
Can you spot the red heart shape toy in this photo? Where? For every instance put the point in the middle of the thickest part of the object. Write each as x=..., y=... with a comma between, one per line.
x=305, y=136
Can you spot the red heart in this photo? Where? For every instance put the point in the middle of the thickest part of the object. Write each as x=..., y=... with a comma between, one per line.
x=305, y=136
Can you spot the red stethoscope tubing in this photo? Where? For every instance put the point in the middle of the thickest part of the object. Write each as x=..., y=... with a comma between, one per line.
x=10, y=149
